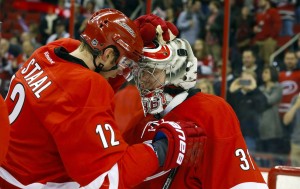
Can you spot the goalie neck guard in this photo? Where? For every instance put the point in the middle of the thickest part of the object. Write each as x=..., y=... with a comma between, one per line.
x=165, y=66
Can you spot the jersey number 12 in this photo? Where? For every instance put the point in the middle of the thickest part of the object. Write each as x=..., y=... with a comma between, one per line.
x=100, y=131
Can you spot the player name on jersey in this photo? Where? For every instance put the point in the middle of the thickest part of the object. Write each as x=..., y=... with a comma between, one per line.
x=33, y=75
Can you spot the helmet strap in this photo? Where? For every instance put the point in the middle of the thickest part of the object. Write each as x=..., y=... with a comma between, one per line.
x=95, y=53
x=98, y=67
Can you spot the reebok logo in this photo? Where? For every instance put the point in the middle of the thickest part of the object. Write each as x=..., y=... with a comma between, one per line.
x=48, y=57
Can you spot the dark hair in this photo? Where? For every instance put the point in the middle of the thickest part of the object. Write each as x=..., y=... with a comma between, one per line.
x=216, y=4
x=250, y=50
x=290, y=52
x=273, y=72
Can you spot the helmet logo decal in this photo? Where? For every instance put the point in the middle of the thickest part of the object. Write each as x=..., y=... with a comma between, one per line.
x=126, y=27
x=94, y=42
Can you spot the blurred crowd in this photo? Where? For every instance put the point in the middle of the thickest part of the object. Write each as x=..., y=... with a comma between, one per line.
x=263, y=93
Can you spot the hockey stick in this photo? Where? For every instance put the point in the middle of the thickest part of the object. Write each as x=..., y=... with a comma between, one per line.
x=170, y=178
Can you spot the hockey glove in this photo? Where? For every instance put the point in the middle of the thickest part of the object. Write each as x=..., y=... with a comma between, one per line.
x=174, y=140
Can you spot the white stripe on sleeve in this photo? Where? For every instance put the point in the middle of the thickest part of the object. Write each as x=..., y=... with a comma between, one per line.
x=251, y=185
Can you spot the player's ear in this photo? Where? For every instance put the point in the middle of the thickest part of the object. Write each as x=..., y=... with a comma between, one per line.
x=107, y=53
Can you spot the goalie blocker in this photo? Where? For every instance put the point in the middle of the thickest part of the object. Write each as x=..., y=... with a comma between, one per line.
x=174, y=141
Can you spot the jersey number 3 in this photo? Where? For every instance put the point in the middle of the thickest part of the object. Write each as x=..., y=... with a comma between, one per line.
x=243, y=158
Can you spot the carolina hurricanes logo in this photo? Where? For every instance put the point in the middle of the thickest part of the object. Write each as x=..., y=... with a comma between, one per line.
x=159, y=53
x=289, y=87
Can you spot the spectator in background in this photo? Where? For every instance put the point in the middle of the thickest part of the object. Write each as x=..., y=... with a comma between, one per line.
x=61, y=10
x=244, y=34
x=205, y=86
x=47, y=25
x=177, y=6
x=6, y=59
x=27, y=48
x=218, y=78
x=60, y=31
x=188, y=23
x=251, y=63
x=205, y=60
x=289, y=78
x=267, y=29
x=286, y=9
x=8, y=54
x=79, y=22
x=297, y=12
x=170, y=17
x=249, y=4
x=214, y=31
x=201, y=17
x=235, y=12
x=128, y=7
x=248, y=103
x=28, y=36
x=89, y=8
x=292, y=118
x=296, y=47
x=270, y=127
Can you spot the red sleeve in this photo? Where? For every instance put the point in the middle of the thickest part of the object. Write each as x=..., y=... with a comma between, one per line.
x=116, y=82
x=89, y=141
x=138, y=162
x=124, y=104
x=4, y=130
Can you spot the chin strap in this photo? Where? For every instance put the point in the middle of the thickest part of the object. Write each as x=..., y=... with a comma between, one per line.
x=99, y=67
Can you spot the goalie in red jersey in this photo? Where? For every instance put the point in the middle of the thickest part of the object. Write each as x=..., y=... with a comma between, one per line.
x=166, y=77
x=60, y=104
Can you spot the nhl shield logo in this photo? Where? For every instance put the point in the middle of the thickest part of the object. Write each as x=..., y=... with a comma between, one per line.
x=94, y=42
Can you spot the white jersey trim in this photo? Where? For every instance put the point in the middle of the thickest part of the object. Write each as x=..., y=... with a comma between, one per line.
x=113, y=176
x=12, y=180
x=251, y=185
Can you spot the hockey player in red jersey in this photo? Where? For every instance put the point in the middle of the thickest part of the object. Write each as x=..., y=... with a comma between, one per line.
x=166, y=77
x=4, y=129
x=60, y=104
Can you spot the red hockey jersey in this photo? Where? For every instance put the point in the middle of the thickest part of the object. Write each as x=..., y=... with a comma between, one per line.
x=63, y=133
x=4, y=129
x=290, y=82
x=124, y=108
x=226, y=162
